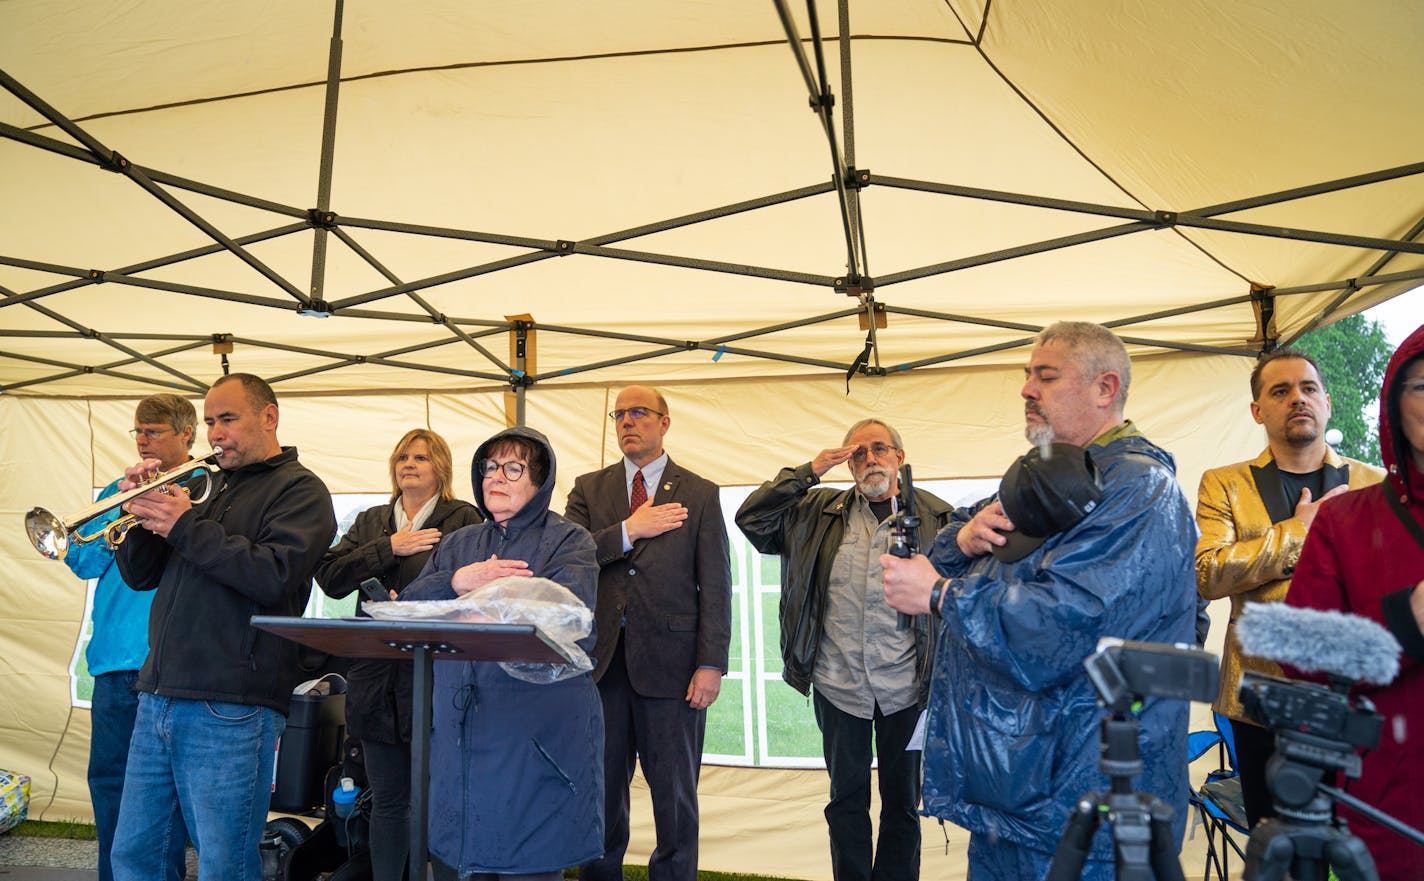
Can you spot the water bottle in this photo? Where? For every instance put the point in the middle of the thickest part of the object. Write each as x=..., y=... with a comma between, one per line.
x=343, y=797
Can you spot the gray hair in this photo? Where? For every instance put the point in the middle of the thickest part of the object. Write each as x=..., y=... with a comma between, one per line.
x=1098, y=349
x=168, y=410
x=894, y=435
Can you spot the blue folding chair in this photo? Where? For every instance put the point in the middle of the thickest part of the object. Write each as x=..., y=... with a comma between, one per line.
x=1218, y=802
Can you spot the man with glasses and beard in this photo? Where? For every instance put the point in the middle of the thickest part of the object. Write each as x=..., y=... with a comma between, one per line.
x=837, y=633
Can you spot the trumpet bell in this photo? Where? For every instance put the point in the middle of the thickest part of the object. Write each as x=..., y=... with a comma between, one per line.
x=47, y=533
x=52, y=535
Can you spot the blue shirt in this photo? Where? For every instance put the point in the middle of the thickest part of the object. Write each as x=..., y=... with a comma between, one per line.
x=120, y=616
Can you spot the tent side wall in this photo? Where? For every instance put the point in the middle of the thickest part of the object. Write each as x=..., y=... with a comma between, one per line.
x=956, y=423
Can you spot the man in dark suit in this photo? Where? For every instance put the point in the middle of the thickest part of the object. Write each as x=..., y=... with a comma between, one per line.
x=663, y=621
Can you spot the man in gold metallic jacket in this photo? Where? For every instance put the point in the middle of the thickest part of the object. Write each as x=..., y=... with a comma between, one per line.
x=1253, y=518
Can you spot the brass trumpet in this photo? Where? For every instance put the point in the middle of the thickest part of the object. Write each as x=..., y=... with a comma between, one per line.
x=52, y=535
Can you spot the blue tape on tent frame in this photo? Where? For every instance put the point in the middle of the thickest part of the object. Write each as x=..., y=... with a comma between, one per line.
x=717, y=356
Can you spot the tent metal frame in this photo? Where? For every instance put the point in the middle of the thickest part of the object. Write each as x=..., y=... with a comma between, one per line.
x=847, y=180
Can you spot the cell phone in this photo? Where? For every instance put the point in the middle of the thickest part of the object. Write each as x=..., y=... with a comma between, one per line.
x=373, y=590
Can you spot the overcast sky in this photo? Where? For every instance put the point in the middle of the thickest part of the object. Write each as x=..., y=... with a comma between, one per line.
x=1401, y=315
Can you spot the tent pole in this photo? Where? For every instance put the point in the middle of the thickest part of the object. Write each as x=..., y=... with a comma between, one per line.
x=328, y=151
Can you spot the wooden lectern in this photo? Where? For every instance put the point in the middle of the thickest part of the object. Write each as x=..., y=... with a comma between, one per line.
x=423, y=642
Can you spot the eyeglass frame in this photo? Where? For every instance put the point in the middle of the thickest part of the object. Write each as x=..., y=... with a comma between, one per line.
x=150, y=433
x=617, y=415
x=487, y=471
x=862, y=452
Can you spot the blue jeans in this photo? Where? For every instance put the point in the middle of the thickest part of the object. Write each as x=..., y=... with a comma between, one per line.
x=112, y=711
x=204, y=764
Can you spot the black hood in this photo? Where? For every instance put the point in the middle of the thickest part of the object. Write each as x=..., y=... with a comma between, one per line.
x=538, y=506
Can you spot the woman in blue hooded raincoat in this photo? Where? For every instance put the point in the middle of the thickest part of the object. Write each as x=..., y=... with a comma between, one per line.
x=516, y=769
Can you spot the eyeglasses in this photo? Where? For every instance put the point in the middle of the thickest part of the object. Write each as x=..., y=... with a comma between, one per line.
x=634, y=413
x=881, y=451
x=512, y=470
x=150, y=433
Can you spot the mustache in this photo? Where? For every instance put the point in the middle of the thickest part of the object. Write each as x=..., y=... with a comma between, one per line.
x=1033, y=407
x=874, y=474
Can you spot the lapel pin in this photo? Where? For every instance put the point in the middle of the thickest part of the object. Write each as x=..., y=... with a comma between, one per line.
x=667, y=486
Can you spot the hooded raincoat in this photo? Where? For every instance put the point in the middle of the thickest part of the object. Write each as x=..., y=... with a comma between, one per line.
x=1012, y=738
x=1360, y=558
x=516, y=769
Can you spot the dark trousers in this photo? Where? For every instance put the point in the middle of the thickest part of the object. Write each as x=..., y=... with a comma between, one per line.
x=112, y=711
x=442, y=872
x=846, y=741
x=388, y=771
x=666, y=735
x=1254, y=747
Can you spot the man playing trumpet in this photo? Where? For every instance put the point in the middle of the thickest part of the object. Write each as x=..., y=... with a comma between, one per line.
x=214, y=692
x=118, y=643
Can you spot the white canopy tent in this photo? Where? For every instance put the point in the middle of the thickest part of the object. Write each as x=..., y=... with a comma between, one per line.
x=554, y=199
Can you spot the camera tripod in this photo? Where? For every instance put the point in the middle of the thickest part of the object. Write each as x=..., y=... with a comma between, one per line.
x=1303, y=838
x=1143, y=845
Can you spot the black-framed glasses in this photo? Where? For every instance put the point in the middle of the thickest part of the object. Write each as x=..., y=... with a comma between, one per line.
x=634, y=413
x=512, y=470
x=150, y=433
x=881, y=451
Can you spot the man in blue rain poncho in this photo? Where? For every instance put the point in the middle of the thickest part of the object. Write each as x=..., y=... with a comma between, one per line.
x=1012, y=740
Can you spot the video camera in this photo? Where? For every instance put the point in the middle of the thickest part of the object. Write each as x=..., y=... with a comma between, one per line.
x=1315, y=725
x=1123, y=671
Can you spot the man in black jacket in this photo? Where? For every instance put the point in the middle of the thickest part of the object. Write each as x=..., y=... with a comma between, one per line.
x=837, y=633
x=214, y=691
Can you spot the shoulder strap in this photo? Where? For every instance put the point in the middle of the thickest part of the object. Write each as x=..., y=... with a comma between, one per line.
x=1402, y=513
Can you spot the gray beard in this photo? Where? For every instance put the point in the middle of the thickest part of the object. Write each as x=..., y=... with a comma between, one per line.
x=1039, y=434
x=873, y=485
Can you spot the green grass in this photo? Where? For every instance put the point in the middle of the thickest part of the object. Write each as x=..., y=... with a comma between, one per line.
x=55, y=829
x=639, y=873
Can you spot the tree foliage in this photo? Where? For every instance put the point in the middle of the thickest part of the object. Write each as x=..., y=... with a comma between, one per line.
x=1352, y=354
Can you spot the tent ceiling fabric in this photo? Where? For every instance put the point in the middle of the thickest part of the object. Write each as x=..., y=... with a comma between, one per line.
x=580, y=122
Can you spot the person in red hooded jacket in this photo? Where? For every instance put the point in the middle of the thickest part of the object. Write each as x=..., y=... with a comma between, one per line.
x=1365, y=556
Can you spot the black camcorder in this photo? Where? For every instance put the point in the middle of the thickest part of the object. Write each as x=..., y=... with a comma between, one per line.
x=1318, y=726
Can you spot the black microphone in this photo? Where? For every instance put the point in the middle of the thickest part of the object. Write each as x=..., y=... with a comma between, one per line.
x=1335, y=643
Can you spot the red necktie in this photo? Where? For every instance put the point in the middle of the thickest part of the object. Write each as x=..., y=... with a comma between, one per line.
x=639, y=494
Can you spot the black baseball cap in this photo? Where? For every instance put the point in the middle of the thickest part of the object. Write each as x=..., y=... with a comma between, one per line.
x=1046, y=490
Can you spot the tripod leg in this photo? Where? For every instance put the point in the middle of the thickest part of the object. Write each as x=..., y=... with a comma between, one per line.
x=1350, y=859
x=1076, y=841
x=1165, y=863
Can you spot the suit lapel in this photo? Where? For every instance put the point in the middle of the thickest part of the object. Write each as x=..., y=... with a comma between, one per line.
x=1267, y=475
x=666, y=490
x=1268, y=487
x=614, y=488
x=1336, y=475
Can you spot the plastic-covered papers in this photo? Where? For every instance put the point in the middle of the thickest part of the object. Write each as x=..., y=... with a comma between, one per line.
x=547, y=605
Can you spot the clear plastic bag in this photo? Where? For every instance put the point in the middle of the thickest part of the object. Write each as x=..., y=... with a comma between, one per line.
x=548, y=605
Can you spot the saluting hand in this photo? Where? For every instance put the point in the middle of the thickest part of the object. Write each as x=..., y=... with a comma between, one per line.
x=828, y=459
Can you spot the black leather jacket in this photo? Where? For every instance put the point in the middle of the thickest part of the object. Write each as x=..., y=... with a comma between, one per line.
x=378, y=692
x=789, y=517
